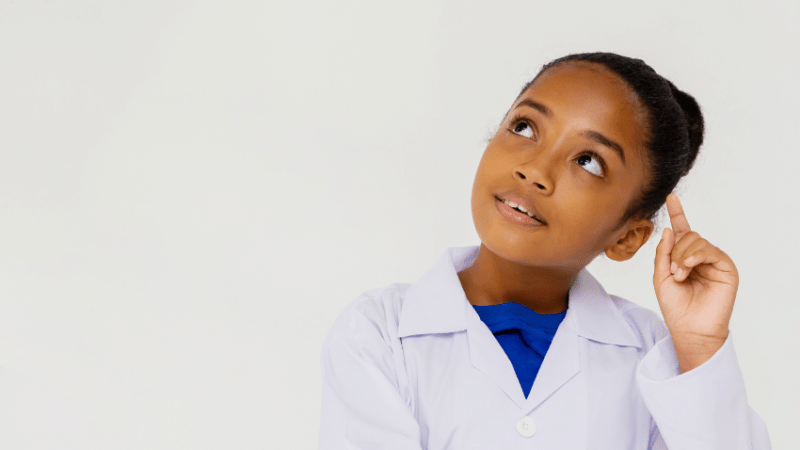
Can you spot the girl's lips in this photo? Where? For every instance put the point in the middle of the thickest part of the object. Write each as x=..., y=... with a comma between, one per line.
x=522, y=200
x=516, y=216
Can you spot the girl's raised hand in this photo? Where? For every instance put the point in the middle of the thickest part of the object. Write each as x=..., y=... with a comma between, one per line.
x=695, y=283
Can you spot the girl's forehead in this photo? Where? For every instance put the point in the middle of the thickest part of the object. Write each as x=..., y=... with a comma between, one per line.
x=581, y=80
x=589, y=90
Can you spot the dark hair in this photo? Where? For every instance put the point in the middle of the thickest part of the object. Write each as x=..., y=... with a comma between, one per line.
x=675, y=126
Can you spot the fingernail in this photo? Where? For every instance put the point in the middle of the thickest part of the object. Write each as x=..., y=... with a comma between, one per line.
x=673, y=267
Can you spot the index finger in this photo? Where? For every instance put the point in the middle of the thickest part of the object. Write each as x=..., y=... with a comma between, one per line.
x=676, y=216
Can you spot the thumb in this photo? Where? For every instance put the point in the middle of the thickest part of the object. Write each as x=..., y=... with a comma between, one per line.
x=663, y=258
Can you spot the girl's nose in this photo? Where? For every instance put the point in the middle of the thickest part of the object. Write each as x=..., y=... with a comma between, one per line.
x=536, y=173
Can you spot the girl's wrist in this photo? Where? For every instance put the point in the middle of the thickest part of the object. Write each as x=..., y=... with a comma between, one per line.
x=692, y=351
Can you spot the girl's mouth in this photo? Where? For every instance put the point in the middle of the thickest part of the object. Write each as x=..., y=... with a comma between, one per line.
x=516, y=213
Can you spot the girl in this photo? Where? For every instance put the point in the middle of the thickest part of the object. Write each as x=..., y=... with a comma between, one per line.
x=513, y=344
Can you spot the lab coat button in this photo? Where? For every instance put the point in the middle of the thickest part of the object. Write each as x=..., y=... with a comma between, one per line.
x=526, y=427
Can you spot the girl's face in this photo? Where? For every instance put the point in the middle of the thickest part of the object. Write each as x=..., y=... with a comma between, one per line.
x=570, y=151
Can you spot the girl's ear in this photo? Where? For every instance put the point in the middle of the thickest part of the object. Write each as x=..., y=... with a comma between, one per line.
x=634, y=236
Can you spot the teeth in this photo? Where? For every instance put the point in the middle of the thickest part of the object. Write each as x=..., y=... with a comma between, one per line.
x=519, y=207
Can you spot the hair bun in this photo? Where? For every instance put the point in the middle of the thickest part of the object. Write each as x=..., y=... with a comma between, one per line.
x=694, y=122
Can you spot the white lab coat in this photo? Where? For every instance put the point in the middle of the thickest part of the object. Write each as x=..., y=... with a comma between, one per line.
x=413, y=367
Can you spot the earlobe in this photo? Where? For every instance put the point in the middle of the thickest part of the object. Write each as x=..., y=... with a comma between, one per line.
x=635, y=236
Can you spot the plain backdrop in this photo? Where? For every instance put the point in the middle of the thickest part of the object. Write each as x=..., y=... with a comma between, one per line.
x=191, y=191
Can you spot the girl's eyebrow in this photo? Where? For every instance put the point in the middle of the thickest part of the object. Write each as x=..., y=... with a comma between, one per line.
x=602, y=140
x=537, y=106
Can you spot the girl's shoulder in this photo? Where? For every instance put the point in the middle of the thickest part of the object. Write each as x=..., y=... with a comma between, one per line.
x=375, y=313
x=645, y=323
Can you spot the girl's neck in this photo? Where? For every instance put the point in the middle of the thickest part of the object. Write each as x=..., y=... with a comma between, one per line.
x=491, y=280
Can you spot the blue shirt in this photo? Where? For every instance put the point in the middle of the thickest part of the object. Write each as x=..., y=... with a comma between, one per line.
x=524, y=334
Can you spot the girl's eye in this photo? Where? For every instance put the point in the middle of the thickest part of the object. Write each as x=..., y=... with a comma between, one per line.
x=591, y=163
x=523, y=129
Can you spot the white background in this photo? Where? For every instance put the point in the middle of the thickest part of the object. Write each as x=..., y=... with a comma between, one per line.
x=190, y=192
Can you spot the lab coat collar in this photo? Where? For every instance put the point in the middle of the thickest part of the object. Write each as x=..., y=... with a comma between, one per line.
x=436, y=303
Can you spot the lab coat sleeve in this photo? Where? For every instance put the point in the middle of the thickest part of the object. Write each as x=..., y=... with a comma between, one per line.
x=704, y=408
x=362, y=407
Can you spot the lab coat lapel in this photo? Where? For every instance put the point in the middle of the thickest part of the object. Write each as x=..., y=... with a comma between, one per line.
x=561, y=363
x=436, y=303
x=592, y=314
x=486, y=355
